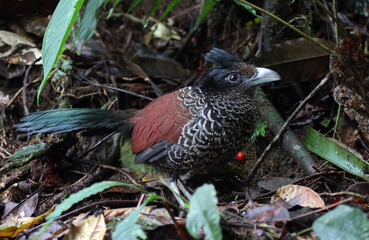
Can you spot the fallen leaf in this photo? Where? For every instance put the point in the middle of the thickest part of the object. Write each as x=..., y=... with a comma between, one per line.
x=294, y=195
x=12, y=229
x=90, y=228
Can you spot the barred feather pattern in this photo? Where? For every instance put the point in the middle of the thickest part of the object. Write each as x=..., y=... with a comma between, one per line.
x=220, y=125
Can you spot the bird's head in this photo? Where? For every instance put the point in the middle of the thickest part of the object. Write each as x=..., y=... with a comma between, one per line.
x=230, y=71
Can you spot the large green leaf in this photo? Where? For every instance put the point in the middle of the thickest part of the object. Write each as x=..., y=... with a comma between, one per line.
x=87, y=24
x=336, y=154
x=342, y=223
x=203, y=213
x=56, y=35
x=79, y=196
x=82, y=194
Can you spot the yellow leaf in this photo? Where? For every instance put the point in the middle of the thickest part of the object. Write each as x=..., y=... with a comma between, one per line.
x=13, y=228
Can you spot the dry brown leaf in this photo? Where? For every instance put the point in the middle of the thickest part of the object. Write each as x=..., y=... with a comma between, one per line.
x=122, y=212
x=90, y=228
x=294, y=195
x=154, y=217
x=13, y=49
x=12, y=229
x=268, y=213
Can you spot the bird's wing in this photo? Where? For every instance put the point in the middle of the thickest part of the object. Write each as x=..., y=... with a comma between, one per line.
x=161, y=120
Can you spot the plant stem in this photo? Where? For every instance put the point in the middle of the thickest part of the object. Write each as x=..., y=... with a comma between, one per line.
x=334, y=17
x=287, y=25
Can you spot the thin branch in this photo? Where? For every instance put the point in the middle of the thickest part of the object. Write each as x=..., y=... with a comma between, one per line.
x=283, y=128
x=288, y=25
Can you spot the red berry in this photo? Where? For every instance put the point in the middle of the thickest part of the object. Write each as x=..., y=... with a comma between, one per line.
x=240, y=156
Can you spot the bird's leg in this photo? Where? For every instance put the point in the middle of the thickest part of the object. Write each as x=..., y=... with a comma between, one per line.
x=178, y=187
x=183, y=188
x=174, y=186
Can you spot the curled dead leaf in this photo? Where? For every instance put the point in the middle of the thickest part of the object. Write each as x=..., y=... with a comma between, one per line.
x=293, y=195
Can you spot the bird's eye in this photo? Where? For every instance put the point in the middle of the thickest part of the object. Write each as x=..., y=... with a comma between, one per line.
x=232, y=77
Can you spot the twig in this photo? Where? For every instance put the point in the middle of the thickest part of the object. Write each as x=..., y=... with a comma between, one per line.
x=6, y=152
x=116, y=89
x=2, y=124
x=363, y=143
x=318, y=174
x=98, y=143
x=283, y=128
x=324, y=208
x=20, y=90
x=124, y=173
x=351, y=194
x=25, y=84
x=20, y=203
x=334, y=17
x=177, y=226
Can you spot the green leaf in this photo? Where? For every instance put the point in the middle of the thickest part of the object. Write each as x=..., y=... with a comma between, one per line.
x=168, y=9
x=152, y=11
x=325, y=122
x=127, y=159
x=112, y=8
x=248, y=8
x=24, y=153
x=87, y=24
x=128, y=229
x=344, y=222
x=56, y=35
x=205, y=9
x=203, y=213
x=133, y=5
x=79, y=196
x=259, y=131
x=206, y=6
x=336, y=154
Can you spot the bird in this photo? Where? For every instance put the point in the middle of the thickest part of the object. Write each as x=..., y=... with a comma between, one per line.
x=190, y=131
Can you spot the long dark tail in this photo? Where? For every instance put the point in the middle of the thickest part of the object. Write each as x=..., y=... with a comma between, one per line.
x=67, y=120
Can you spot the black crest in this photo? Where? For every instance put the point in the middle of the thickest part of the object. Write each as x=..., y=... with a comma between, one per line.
x=225, y=63
x=222, y=58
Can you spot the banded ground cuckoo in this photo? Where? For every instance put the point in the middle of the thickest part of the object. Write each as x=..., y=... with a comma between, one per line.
x=192, y=130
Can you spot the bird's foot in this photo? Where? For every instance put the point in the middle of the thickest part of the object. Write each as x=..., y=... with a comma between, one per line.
x=177, y=186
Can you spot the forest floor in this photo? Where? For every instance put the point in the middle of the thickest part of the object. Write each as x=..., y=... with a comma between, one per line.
x=285, y=195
